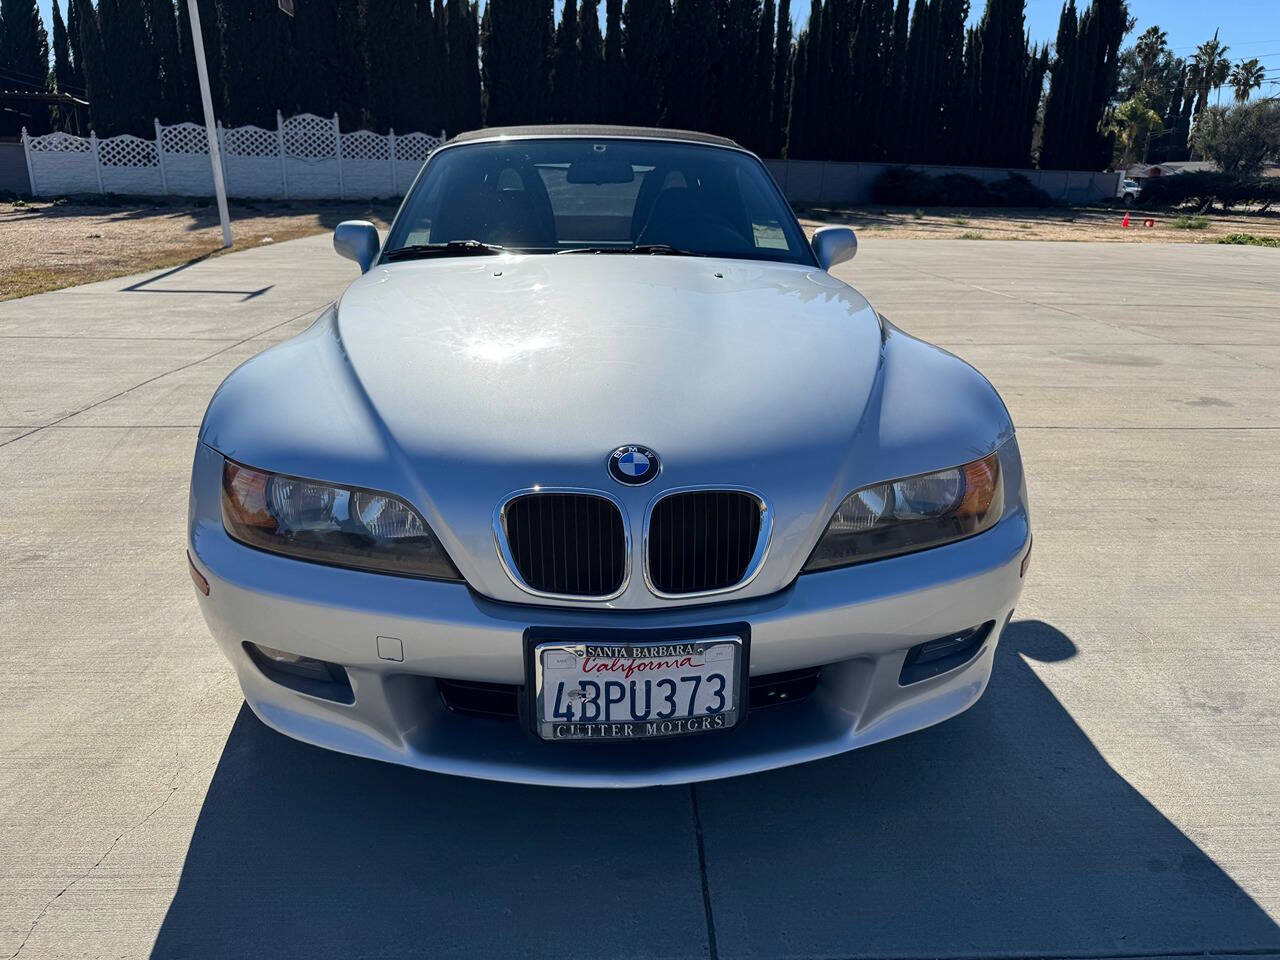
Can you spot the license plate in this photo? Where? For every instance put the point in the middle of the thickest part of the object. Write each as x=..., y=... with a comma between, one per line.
x=623, y=691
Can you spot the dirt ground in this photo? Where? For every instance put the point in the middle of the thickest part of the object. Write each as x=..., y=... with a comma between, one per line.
x=45, y=245
x=1054, y=223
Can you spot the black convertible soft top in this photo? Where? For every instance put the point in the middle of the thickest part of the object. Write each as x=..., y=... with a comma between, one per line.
x=591, y=130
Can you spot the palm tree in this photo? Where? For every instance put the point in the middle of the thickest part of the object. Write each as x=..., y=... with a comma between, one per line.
x=1149, y=46
x=1246, y=77
x=1209, y=69
x=1134, y=123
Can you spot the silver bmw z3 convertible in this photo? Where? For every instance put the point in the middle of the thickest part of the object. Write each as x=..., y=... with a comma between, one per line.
x=597, y=477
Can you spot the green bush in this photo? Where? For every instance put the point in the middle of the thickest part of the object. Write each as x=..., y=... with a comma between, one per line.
x=1204, y=188
x=1015, y=190
x=903, y=186
x=1250, y=240
x=1190, y=223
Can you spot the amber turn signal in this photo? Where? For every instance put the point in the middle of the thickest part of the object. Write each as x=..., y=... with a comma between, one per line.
x=196, y=576
x=980, y=480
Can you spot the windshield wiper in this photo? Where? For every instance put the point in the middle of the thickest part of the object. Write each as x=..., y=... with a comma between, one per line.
x=650, y=249
x=454, y=248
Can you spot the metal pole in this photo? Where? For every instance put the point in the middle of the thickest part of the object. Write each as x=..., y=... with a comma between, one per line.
x=215, y=155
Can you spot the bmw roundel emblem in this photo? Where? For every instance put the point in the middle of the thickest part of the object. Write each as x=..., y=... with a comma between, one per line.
x=633, y=465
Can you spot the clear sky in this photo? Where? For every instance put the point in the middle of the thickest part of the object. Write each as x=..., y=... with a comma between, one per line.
x=1251, y=28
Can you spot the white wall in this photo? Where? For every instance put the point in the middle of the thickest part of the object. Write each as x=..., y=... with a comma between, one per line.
x=300, y=158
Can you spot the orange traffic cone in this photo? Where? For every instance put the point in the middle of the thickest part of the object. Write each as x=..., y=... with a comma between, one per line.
x=1149, y=222
x=1125, y=222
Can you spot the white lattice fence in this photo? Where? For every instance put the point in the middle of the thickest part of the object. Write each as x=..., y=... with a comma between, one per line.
x=305, y=156
x=185, y=150
x=129, y=164
x=61, y=163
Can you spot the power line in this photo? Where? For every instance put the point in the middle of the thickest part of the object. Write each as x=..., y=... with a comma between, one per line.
x=18, y=76
x=28, y=77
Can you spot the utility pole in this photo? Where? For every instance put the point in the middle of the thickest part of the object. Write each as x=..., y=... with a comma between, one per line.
x=210, y=125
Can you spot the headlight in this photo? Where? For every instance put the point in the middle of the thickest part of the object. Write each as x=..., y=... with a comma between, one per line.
x=330, y=524
x=901, y=516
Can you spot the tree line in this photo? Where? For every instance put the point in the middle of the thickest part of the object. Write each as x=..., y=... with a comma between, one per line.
x=875, y=80
x=1161, y=96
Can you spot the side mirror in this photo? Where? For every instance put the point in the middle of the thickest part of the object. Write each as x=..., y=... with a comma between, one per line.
x=834, y=245
x=357, y=240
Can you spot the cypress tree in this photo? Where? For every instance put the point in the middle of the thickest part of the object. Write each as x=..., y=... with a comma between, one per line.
x=517, y=46
x=24, y=55
x=1001, y=65
x=211, y=32
x=898, y=108
x=97, y=82
x=871, y=82
x=614, y=104
x=918, y=98
x=566, y=82
x=462, y=91
x=440, y=88
x=422, y=110
x=317, y=31
x=258, y=49
x=63, y=75
x=796, y=146
x=486, y=24
x=646, y=35
x=395, y=62
x=350, y=57
x=1112, y=24
x=807, y=86
x=130, y=68
x=590, y=63
x=174, y=100
x=1038, y=69
x=1082, y=83
x=834, y=99
x=954, y=121
x=694, y=37
x=839, y=98
x=733, y=84
x=762, y=83
x=1002, y=73
x=1171, y=144
x=968, y=141
x=73, y=41
x=24, y=45
x=781, y=80
x=63, y=79
x=1055, y=147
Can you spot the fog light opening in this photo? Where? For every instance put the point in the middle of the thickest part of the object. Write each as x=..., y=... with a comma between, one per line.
x=935, y=657
x=316, y=678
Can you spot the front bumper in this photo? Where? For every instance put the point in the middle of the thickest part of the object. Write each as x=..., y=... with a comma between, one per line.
x=857, y=623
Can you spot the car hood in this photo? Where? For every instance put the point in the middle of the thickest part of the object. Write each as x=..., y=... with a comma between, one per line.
x=455, y=383
x=538, y=367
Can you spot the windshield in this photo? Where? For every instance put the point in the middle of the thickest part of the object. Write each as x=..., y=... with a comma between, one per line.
x=563, y=195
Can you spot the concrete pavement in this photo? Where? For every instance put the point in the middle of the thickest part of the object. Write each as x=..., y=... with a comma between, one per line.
x=1115, y=793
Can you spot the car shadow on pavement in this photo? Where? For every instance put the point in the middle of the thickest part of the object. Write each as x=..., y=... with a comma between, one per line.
x=1001, y=832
